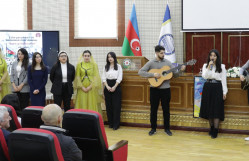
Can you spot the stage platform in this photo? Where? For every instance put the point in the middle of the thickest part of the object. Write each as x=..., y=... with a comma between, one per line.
x=182, y=121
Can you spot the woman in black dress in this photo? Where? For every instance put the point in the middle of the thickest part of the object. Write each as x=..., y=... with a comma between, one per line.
x=214, y=91
x=37, y=79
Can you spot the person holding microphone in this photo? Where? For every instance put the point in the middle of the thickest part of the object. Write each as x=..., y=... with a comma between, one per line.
x=214, y=91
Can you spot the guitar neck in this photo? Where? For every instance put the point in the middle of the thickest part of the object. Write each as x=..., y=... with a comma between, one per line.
x=176, y=68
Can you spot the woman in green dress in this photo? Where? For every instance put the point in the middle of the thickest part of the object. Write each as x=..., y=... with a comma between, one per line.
x=87, y=84
x=4, y=77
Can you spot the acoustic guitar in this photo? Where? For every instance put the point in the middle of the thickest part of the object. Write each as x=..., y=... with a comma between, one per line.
x=166, y=73
x=245, y=83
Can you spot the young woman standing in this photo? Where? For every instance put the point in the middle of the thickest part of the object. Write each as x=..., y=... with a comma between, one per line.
x=214, y=91
x=112, y=77
x=37, y=79
x=87, y=84
x=4, y=77
x=62, y=75
x=19, y=77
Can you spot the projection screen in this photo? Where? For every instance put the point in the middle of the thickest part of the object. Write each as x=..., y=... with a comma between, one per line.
x=215, y=15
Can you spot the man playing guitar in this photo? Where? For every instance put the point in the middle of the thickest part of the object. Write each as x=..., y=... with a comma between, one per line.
x=244, y=70
x=160, y=93
x=244, y=77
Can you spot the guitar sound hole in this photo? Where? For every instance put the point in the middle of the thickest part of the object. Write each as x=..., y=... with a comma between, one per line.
x=164, y=73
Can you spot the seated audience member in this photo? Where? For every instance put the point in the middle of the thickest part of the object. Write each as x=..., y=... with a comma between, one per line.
x=4, y=122
x=12, y=100
x=52, y=118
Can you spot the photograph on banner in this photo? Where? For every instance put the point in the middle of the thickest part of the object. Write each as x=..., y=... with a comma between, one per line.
x=198, y=87
x=11, y=42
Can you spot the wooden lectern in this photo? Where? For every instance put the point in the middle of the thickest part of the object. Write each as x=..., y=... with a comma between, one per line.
x=131, y=64
x=134, y=87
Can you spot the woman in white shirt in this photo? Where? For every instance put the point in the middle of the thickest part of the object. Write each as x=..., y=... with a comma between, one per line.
x=112, y=76
x=214, y=91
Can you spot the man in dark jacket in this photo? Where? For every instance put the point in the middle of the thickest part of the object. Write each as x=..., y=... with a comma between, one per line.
x=52, y=118
x=4, y=122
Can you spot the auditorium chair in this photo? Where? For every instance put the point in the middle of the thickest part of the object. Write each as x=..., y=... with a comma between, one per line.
x=87, y=129
x=31, y=117
x=32, y=144
x=14, y=123
x=4, y=154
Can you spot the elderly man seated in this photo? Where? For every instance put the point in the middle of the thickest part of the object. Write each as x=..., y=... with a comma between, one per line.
x=52, y=118
x=4, y=122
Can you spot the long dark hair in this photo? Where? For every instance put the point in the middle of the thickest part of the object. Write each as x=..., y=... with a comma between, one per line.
x=217, y=62
x=107, y=66
x=34, y=62
x=25, y=61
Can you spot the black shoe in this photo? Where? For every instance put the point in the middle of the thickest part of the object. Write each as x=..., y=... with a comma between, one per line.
x=110, y=126
x=211, y=131
x=168, y=132
x=215, y=133
x=115, y=128
x=152, y=132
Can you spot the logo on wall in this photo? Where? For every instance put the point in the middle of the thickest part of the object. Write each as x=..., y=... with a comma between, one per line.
x=167, y=42
x=126, y=63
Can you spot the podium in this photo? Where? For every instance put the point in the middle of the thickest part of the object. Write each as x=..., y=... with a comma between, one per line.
x=131, y=64
x=134, y=87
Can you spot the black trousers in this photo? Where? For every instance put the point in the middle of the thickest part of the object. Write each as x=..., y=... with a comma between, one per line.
x=23, y=99
x=113, y=104
x=157, y=95
x=65, y=97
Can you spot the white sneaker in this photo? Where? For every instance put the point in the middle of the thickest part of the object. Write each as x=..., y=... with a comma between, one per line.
x=247, y=139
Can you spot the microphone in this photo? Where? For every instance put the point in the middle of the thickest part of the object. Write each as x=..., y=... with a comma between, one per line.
x=211, y=66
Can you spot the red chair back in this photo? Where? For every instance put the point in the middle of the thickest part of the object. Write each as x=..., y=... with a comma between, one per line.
x=31, y=117
x=4, y=153
x=87, y=129
x=31, y=144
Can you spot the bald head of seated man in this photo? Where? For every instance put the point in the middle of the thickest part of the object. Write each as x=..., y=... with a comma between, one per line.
x=52, y=118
